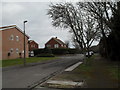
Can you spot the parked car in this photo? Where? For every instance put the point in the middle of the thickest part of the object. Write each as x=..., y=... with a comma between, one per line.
x=90, y=53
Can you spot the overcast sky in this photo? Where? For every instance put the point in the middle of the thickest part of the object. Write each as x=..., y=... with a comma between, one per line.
x=39, y=26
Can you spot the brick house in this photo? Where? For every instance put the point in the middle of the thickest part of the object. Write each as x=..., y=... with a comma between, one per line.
x=55, y=43
x=33, y=45
x=12, y=42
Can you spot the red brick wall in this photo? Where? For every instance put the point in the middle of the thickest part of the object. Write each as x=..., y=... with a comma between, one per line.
x=33, y=45
x=0, y=45
x=7, y=44
x=52, y=42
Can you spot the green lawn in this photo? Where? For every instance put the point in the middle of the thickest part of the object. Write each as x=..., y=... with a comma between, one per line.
x=82, y=71
x=85, y=70
x=114, y=70
x=13, y=62
x=0, y=63
x=90, y=66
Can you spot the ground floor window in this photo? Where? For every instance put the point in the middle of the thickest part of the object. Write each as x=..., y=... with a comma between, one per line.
x=56, y=46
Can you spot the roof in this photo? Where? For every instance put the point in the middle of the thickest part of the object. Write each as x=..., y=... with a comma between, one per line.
x=12, y=26
x=57, y=40
x=32, y=41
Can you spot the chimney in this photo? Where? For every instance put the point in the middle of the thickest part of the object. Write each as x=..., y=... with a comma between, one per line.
x=56, y=37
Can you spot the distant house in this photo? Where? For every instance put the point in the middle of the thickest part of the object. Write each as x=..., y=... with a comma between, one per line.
x=33, y=45
x=55, y=43
x=12, y=42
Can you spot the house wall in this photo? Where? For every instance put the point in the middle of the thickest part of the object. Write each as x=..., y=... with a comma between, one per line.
x=8, y=44
x=52, y=42
x=33, y=45
x=0, y=45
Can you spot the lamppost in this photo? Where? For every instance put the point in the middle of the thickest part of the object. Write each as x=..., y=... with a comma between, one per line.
x=24, y=44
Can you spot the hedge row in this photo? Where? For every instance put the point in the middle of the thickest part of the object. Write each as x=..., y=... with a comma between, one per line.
x=56, y=51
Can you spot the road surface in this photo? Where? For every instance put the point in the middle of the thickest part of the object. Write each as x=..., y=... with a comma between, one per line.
x=30, y=76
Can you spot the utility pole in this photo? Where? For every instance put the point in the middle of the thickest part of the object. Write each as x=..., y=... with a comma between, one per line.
x=24, y=44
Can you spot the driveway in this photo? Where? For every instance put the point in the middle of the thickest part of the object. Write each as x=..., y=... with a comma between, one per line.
x=28, y=77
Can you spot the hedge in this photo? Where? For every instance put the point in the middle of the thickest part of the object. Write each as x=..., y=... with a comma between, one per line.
x=56, y=51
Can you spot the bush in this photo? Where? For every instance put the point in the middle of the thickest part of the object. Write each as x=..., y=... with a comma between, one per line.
x=38, y=51
x=42, y=51
x=45, y=55
x=47, y=50
x=56, y=51
x=73, y=51
x=60, y=51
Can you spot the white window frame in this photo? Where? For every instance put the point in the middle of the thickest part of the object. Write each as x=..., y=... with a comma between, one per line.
x=56, y=46
x=17, y=38
x=11, y=50
x=12, y=37
x=17, y=50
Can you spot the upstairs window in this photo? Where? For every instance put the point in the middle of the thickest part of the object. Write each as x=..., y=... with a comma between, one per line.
x=11, y=37
x=17, y=38
x=48, y=45
x=32, y=45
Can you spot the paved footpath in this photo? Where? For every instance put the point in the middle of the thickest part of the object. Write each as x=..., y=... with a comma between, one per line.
x=27, y=77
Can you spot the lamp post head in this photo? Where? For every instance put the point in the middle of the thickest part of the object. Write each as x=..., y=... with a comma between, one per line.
x=25, y=21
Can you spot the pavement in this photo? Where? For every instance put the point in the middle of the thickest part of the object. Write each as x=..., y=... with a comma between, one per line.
x=73, y=67
x=32, y=75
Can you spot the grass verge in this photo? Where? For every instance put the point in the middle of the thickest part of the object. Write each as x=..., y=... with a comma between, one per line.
x=19, y=61
x=96, y=72
x=85, y=69
x=114, y=70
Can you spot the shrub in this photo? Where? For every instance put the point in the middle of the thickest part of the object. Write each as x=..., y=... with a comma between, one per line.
x=59, y=51
x=42, y=51
x=38, y=51
x=47, y=50
x=73, y=51
x=45, y=55
x=56, y=51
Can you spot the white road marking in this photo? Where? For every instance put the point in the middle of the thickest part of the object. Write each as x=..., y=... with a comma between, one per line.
x=73, y=67
x=65, y=83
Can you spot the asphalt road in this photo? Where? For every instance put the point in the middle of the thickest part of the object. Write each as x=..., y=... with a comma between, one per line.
x=27, y=77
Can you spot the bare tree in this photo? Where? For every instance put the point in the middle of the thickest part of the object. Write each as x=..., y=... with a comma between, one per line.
x=108, y=16
x=80, y=23
x=75, y=43
x=67, y=43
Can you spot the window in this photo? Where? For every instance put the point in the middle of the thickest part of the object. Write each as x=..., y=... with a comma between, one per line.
x=56, y=46
x=64, y=45
x=17, y=38
x=32, y=45
x=17, y=50
x=11, y=50
x=11, y=37
x=48, y=45
x=22, y=51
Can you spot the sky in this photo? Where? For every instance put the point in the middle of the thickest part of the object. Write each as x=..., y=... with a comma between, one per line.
x=39, y=26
